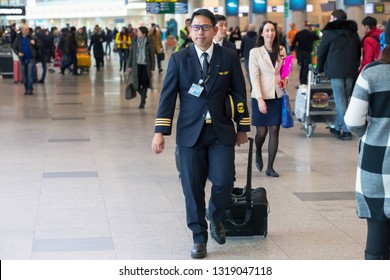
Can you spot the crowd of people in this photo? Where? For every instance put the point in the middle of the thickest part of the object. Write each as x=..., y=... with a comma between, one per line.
x=204, y=131
x=71, y=48
x=206, y=136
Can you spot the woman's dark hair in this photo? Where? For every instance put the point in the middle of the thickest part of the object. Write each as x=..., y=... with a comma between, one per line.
x=124, y=30
x=143, y=29
x=219, y=18
x=205, y=13
x=339, y=14
x=385, y=55
x=260, y=39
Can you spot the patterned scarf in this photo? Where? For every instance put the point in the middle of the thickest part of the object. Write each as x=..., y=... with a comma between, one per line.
x=141, y=59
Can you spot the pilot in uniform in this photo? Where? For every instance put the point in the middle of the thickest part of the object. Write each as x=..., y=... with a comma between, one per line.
x=206, y=135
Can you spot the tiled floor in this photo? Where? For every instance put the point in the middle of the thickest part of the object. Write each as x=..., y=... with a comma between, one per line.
x=78, y=180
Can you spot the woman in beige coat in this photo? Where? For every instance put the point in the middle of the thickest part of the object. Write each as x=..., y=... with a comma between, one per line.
x=265, y=61
x=155, y=35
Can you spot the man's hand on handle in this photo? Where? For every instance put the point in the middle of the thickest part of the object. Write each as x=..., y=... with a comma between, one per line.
x=242, y=138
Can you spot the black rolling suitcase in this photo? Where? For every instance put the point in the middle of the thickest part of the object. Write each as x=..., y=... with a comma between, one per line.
x=247, y=212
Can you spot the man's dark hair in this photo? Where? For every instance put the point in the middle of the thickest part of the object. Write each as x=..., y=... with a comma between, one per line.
x=143, y=29
x=369, y=21
x=339, y=14
x=219, y=18
x=205, y=13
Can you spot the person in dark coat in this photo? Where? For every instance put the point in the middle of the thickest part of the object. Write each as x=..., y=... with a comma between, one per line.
x=281, y=36
x=338, y=55
x=97, y=40
x=26, y=48
x=220, y=37
x=109, y=37
x=70, y=48
x=142, y=63
x=45, y=47
x=304, y=39
x=247, y=43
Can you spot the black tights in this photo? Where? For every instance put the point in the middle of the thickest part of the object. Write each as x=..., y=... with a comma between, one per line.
x=273, y=142
x=378, y=239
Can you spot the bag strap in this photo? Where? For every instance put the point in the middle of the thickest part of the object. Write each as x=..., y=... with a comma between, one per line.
x=248, y=186
x=248, y=214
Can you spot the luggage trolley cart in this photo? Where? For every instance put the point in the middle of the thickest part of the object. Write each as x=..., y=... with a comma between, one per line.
x=310, y=110
x=83, y=60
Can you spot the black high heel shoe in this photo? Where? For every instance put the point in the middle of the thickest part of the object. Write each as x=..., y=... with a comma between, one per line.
x=271, y=173
x=259, y=162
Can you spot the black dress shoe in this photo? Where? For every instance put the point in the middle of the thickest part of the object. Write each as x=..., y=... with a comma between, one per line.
x=334, y=131
x=345, y=136
x=199, y=251
x=271, y=173
x=217, y=232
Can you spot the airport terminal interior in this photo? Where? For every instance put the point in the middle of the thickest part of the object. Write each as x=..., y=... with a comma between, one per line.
x=79, y=180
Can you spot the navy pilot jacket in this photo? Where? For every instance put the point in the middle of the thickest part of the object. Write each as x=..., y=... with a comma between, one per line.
x=226, y=78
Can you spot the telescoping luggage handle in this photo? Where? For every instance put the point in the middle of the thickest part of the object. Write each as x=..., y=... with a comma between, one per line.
x=248, y=186
x=247, y=191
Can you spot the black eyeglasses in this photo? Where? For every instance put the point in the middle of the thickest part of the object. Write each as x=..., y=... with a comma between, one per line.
x=204, y=27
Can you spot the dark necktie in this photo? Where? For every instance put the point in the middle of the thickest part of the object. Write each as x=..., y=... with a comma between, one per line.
x=205, y=65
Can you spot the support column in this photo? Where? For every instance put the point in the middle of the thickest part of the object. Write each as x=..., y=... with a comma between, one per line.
x=356, y=13
x=232, y=21
x=258, y=19
x=297, y=17
x=192, y=6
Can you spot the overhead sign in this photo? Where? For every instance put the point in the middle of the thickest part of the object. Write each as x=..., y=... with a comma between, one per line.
x=259, y=6
x=166, y=7
x=231, y=7
x=12, y=11
x=298, y=5
x=379, y=8
x=353, y=2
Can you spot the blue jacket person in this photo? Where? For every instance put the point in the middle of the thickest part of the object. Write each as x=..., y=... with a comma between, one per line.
x=202, y=76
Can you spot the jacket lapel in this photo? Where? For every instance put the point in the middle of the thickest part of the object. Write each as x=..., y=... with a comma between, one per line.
x=194, y=65
x=215, y=65
x=265, y=55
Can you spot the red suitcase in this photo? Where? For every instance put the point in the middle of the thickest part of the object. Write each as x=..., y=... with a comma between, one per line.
x=17, y=72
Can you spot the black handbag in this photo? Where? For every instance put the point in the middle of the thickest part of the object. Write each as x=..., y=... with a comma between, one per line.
x=130, y=91
x=247, y=212
x=161, y=56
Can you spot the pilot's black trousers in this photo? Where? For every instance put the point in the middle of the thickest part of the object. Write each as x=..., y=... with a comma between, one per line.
x=208, y=159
